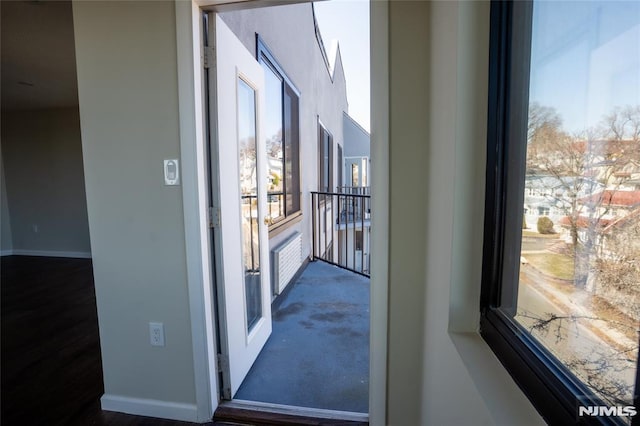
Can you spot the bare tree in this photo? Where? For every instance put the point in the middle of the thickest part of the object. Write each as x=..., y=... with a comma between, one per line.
x=603, y=368
x=588, y=168
x=586, y=171
x=623, y=123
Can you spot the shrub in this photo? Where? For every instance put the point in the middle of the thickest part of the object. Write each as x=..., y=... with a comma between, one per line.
x=545, y=225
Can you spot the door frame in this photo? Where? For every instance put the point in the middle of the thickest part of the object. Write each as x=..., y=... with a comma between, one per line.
x=195, y=178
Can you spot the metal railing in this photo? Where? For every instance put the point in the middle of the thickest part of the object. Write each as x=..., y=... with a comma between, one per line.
x=275, y=204
x=358, y=190
x=341, y=229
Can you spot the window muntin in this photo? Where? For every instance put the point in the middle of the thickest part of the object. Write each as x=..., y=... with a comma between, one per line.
x=555, y=153
x=282, y=141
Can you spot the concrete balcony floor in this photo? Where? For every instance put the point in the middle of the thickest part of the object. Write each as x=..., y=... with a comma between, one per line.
x=318, y=352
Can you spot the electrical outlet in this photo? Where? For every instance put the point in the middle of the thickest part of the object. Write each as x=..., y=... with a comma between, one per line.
x=156, y=333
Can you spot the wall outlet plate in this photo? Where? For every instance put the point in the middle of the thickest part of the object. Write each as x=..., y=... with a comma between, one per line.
x=156, y=333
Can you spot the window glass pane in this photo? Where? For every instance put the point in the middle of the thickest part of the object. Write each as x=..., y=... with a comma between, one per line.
x=355, y=175
x=579, y=280
x=325, y=161
x=291, y=151
x=340, y=168
x=249, y=201
x=275, y=154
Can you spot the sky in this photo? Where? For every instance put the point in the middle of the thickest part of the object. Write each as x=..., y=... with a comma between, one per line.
x=585, y=59
x=348, y=22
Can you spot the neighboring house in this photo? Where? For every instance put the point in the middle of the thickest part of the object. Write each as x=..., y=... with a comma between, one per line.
x=551, y=196
x=621, y=237
x=357, y=155
x=596, y=213
x=611, y=203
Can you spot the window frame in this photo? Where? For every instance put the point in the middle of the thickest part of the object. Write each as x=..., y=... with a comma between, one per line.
x=554, y=391
x=325, y=170
x=266, y=58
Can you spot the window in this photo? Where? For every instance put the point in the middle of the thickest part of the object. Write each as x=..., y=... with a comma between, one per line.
x=355, y=175
x=340, y=167
x=561, y=307
x=325, y=156
x=282, y=138
x=359, y=241
x=543, y=211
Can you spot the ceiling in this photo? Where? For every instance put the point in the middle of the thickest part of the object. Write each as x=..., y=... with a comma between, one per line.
x=38, y=64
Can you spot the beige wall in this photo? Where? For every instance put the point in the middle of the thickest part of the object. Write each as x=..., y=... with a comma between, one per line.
x=128, y=94
x=439, y=370
x=42, y=157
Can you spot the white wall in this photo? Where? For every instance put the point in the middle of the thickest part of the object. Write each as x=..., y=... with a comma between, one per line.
x=42, y=157
x=439, y=369
x=128, y=94
x=288, y=32
x=357, y=141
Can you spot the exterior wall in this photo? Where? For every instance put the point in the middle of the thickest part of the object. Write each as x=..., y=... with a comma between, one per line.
x=128, y=95
x=357, y=150
x=357, y=141
x=346, y=246
x=288, y=32
x=45, y=182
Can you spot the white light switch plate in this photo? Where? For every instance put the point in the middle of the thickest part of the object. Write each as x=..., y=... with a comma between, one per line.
x=171, y=172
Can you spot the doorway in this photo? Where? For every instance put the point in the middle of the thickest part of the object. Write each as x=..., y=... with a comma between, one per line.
x=241, y=112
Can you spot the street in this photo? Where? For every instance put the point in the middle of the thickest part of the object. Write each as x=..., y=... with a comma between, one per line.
x=575, y=337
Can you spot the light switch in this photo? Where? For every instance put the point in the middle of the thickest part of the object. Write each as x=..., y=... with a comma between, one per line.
x=171, y=172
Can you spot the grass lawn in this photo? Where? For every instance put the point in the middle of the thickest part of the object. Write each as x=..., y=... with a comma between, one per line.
x=555, y=265
x=528, y=233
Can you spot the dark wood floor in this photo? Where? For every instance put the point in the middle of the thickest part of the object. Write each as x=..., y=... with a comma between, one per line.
x=50, y=366
x=51, y=372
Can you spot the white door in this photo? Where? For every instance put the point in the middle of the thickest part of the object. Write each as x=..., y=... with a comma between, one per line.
x=244, y=291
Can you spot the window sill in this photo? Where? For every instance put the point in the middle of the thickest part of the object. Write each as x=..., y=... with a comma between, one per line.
x=502, y=396
x=284, y=224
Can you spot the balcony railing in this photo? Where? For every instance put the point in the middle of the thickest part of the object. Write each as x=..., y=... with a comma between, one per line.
x=341, y=229
x=275, y=204
x=358, y=190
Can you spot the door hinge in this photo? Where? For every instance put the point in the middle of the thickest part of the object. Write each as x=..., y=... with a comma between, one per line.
x=214, y=217
x=223, y=363
x=208, y=57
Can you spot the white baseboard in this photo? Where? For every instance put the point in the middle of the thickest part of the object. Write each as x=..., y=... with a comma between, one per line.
x=150, y=408
x=6, y=252
x=48, y=253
